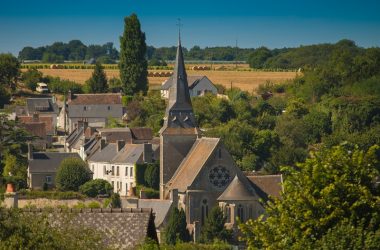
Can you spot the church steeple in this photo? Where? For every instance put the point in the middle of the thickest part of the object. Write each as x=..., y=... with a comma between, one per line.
x=179, y=112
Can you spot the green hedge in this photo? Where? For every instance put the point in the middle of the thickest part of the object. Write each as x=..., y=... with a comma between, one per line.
x=140, y=174
x=150, y=192
x=55, y=195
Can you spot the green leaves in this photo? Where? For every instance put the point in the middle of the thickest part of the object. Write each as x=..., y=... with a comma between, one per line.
x=98, y=81
x=72, y=173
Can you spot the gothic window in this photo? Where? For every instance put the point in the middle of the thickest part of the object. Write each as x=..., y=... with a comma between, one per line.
x=204, y=214
x=219, y=176
x=240, y=212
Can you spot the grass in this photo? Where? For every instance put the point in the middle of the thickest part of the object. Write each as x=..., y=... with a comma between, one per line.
x=245, y=80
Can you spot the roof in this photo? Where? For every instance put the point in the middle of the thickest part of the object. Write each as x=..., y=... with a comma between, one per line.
x=142, y=133
x=41, y=105
x=236, y=191
x=95, y=99
x=130, y=153
x=269, y=184
x=104, y=155
x=119, y=228
x=35, y=128
x=114, y=134
x=193, y=163
x=47, y=120
x=161, y=209
x=48, y=162
x=192, y=81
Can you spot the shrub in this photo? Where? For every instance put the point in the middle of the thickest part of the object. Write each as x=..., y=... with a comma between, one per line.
x=115, y=201
x=72, y=173
x=54, y=195
x=152, y=175
x=96, y=187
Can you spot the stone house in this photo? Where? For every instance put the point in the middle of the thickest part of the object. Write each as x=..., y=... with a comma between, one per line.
x=198, y=86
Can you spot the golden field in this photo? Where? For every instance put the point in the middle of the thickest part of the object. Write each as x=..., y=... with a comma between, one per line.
x=245, y=80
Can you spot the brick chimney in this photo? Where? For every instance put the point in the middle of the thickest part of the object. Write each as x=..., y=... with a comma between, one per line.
x=147, y=153
x=119, y=145
x=102, y=144
x=69, y=96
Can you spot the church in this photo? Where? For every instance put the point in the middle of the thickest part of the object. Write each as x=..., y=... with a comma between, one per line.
x=198, y=172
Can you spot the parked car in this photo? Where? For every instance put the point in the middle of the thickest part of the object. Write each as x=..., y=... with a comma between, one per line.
x=42, y=87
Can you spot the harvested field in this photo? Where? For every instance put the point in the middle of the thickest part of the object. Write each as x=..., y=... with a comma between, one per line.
x=245, y=80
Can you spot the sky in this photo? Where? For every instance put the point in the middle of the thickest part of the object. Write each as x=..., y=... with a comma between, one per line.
x=252, y=23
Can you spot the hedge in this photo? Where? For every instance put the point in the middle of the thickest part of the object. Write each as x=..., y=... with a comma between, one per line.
x=55, y=195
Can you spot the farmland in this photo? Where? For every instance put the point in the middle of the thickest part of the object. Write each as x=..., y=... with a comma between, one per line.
x=245, y=80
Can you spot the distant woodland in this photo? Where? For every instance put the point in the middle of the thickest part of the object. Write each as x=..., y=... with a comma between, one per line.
x=260, y=58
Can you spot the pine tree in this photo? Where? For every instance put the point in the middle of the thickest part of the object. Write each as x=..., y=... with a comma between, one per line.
x=98, y=81
x=133, y=64
x=214, y=227
x=176, y=229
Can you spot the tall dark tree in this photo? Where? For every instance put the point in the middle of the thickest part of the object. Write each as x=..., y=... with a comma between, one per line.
x=9, y=70
x=176, y=229
x=98, y=81
x=133, y=64
x=214, y=227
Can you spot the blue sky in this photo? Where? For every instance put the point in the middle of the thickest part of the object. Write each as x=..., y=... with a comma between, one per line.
x=271, y=23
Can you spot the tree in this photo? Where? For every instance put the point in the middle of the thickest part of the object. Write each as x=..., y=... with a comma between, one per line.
x=96, y=187
x=71, y=174
x=115, y=200
x=9, y=70
x=176, y=229
x=214, y=227
x=31, y=77
x=133, y=64
x=332, y=186
x=98, y=81
x=152, y=175
x=258, y=58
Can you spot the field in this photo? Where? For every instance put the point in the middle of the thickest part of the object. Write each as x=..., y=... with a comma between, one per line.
x=245, y=80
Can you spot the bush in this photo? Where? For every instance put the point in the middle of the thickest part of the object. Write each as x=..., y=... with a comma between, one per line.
x=54, y=195
x=152, y=175
x=31, y=77
x=115, y=201
x=96, y=187
x=72, y=173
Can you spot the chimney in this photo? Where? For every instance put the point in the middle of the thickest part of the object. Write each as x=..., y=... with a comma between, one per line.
x=36, y=117
x=69, y=96
x=148, y=151
x=11, y=196
x=119, y=145
x=102, y=144
x=30, y=151
x=174, y=197
x=80, y=124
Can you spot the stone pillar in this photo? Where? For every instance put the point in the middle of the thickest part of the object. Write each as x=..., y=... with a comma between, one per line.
x=11, y=197
x=233, y=213
x=197, y=231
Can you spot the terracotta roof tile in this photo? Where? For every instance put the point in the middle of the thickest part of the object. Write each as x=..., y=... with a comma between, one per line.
x=47, y=120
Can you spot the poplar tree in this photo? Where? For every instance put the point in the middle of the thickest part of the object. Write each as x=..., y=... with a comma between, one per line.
x=98, y=81
x=133, y=64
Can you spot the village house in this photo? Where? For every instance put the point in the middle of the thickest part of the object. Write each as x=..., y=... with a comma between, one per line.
x=197, y=85
x=96, y=109
x=43, y=167
x=115, y=162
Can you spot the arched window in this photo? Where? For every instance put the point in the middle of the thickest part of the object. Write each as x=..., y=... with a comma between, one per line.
x=240, y=212
x=204, y=211
x=228, y=213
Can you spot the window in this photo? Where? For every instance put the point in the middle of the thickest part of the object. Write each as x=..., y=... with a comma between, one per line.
x=109, y=107
x=84, y=108
x=126, y=188
x=112, y=183
x=131, y=172
x=240, y=212
x=126, y=171
x=113, y=170
x=104, y=170
x=48, y=179
x=204, y=214
x=117, y=170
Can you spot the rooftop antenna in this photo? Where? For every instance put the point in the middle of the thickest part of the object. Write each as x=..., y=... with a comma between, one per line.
x=179, y=24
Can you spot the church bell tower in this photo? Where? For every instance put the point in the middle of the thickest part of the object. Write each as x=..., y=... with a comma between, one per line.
x=180, y=130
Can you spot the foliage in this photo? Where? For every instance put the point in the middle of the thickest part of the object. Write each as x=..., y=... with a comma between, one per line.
x=176, y=230
x=133, y=64
x=98, y=81
x=59, y=86
x=114, y=85
x=9, y=70
x=71, y=174
x=115, y=201
x=54, y=195
x=115, y=123
x=216, y=245
x=15, y=167
x=332, y=186
x=140, y=174
x=96, y=187
x=31, y=77
x=22, y=230
x=214, y=227
x=258, y=57
x=152, y=175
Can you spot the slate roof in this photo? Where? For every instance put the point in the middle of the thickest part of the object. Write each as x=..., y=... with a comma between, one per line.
x=114, y=134
x=161, y=209
x=95, y=99
x=41, y=105
x=236, y=191
x=193, y=163
x=119, y=228
x=104, y=155
x=192, y=81
x=271, y=185
x=48, y=162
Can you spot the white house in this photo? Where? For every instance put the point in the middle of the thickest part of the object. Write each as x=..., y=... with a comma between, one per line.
x=198, y=86
x=115, y=162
